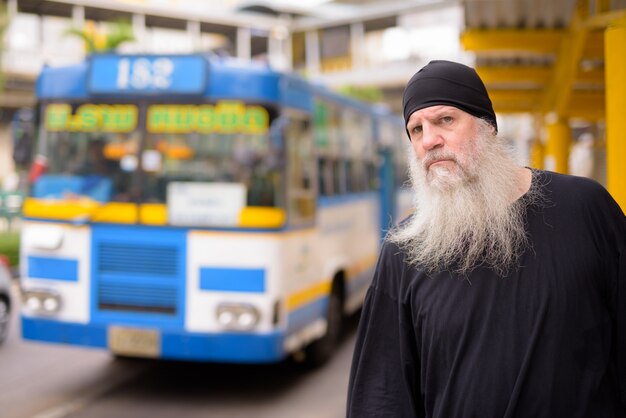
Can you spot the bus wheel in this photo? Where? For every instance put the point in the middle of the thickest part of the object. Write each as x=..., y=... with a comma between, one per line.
x=318, y=352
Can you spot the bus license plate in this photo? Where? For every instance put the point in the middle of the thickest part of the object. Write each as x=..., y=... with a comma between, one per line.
x=134, y=342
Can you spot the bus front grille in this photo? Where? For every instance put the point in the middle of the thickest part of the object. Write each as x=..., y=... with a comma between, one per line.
x=136, y=298
x=138, y=278
x=150, y=260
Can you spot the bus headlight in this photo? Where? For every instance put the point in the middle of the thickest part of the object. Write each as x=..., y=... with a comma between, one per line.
x=238, y=316
x=42, y=301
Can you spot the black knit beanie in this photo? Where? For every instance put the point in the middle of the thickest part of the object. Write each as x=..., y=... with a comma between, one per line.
x=448, y=83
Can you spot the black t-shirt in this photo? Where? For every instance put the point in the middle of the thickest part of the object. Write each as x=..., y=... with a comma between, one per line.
x=548, y=340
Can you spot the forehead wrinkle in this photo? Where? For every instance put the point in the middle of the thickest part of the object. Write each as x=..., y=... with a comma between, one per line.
x=430, y=113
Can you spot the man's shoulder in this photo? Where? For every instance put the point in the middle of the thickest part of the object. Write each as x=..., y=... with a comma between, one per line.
x=392, y=270
x=391, y=250
x=566, y=180
x=569, y=186
x=580, y=193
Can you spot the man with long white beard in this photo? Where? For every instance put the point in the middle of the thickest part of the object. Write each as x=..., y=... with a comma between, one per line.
x=504, y=293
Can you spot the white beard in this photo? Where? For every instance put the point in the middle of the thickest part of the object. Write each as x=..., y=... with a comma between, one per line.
x=465, y=214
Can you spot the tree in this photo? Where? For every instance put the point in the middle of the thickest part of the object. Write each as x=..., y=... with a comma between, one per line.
x=109, y=39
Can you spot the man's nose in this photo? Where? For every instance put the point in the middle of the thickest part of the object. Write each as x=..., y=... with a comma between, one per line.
x=431, y=137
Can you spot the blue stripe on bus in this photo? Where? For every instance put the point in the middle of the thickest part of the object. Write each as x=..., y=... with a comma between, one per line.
x=225, y=347
x=222, y=347
x=52, y=268
x=64, y=332
x=232, y=279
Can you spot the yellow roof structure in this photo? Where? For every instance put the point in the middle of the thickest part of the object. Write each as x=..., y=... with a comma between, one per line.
x=542, y=56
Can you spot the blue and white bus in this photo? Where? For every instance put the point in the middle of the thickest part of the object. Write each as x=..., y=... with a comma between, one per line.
x=196, y=208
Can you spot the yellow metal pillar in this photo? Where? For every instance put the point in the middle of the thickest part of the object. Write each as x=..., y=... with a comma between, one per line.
x=537, y=149
x=557, y=146
x=615, y=69
x=537, y=154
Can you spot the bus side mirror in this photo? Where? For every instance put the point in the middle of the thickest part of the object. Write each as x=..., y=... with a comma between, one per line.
x=23, y=133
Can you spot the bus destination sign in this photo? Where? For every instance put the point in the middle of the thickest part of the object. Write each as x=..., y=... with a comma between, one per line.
x=146, y=74
x=91, y=118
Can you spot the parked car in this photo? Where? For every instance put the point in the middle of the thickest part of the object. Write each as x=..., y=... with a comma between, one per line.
x=5, y=298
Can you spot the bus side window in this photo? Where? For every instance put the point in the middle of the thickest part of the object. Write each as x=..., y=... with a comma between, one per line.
x=358, y=180
x=301, y=171
x=323, y=185
x=337, y=177
x=348, y=167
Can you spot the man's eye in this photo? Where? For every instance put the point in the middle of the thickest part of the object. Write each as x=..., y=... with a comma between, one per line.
x=417, y=129
x=447, y=119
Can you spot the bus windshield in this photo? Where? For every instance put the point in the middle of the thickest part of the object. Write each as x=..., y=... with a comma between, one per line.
x=83, y=146
x=244, y=159
x=103, y=152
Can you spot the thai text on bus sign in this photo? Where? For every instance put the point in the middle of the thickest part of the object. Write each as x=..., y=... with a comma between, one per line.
x=91, y=118
x=226, y=117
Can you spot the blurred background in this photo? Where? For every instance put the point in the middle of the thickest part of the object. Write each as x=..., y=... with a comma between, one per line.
x=543, y=62
x=555, y=71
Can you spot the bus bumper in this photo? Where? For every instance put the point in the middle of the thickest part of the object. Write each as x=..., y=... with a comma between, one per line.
x=175, y=345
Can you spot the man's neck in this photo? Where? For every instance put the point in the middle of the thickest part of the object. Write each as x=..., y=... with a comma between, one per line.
x=524, y=180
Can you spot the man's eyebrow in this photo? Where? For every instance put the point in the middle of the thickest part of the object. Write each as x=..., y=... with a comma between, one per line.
x=414, y=122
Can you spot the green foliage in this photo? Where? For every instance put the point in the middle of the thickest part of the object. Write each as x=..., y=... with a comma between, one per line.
x=10, y=246
x=118, y=32
x=115, y=34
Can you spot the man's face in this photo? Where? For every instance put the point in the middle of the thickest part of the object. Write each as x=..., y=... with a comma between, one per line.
x=442, y=139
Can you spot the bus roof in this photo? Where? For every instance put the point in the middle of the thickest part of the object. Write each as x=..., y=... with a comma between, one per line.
x=186, y=77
